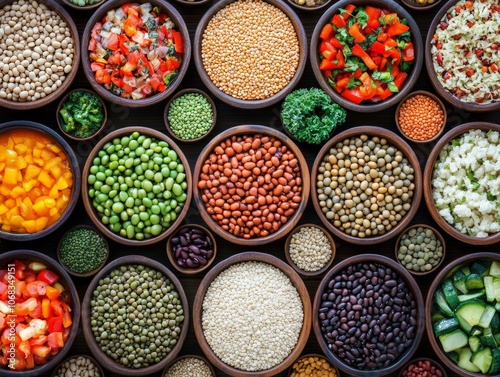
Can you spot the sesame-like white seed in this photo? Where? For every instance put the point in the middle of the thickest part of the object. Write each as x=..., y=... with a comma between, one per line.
x=310, y=249
x=189, y=367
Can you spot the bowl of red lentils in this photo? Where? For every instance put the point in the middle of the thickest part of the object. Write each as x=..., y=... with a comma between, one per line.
x=421, y=117
x=422, y=367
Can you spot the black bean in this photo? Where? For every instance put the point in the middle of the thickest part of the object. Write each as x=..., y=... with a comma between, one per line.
x=328, y=304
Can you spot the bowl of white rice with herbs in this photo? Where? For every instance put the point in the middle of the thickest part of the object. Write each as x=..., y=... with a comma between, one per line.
x=462, y=183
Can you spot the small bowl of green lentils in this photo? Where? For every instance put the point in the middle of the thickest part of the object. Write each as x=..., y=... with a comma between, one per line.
x=420, y=249
x=82, y=251
x=190, y=115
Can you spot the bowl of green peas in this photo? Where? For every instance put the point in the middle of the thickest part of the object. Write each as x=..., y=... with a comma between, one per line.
x=136, y=186
x=83, y=4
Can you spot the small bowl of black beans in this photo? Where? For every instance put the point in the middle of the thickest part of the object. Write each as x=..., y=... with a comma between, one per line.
x=368, y=315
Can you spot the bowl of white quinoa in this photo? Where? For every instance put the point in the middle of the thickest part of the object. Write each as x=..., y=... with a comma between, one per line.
x=462, y=183
x=462, y=54
x=252, y=315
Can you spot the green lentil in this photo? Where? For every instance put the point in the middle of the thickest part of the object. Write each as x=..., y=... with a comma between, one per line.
x=83, y=250
x=190, y=116
x=420, y=250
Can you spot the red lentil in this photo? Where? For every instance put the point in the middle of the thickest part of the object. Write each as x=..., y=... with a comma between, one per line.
x=422, y=368
x=420, y=117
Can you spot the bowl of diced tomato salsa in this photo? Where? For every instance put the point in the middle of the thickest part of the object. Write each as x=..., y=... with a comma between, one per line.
x=135, y=53
x=39, y=313
x=366, y=54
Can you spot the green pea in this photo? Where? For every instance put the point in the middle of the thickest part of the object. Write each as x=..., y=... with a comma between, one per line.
x=173, y=155
x=156, y=229
x=100, y=176
x=91, y=179
x=177, y=189
x=118, y=207
x=169, y=183
x=130, y=231
x=180, y=177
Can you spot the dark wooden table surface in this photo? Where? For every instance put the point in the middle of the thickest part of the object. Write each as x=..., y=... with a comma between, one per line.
x=227, y=117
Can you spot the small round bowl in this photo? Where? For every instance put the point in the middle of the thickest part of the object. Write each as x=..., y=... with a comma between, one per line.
x=393, y=140
x=412, y=286
x=291, y=370
x=416, y=6
x=439, y=238
x=95, y=270
x=28, y=256
x=101, y=356
x=74, y=358
x=187, y=270
x=413, y=74
x=433, y=363
x=98, y=15
x=431, y=96
x=69, y=77
x=70, y=4
x=198, y=311
x=60, y=119
x=212, y=370
x=427, y=183
x=192, y=2
x=209, y=151
x=445, y=273
x=442, y=92
x=87, y=201
x=240, y=103
x=304, y=7
x=299, y=270
x=75, y=169
x=179, y=94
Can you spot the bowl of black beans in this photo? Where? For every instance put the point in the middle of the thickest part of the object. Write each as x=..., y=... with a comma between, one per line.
x=368, y=315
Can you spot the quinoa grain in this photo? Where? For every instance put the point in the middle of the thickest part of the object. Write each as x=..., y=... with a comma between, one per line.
x=310, y=249
x=189, y=367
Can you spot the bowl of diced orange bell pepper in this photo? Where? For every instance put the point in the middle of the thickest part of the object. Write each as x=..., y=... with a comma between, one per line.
x=39, y=180
x=39, y=313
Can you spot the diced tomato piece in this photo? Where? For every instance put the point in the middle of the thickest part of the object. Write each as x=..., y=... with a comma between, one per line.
x=326, y=33
x=55, y=324
x=408, y=52
x=341, y=84
x=348, y=11
x=358, y=51
x=30, y=361
x=48, y=277
x=41, y=351
x=37, y=312
x=356, y=33
x=178, y=42
x=96, y=66
x=173, y=64
x=3, y=291
x=20, y=268
x=113, y=41
x=397, y=29
x=400, y=79
x=338, y=21
x=37, y=288
x=25, y=348
x=52, y=293
x=352, y=95
x=23, y=308
x=3, y=321
x=55, y=340
x=336, y=43
x=19, y=363
x=38, y=341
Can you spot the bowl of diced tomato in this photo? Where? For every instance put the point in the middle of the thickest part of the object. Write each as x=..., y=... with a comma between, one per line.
x=135, y=53
x=366, y=54
x=39, y=313
x=40, y=180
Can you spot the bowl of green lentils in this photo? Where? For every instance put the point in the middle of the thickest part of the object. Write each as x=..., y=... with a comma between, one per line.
x=190, y=115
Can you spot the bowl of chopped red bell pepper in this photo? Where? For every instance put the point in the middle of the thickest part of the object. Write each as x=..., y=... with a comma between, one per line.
x=135, y=53
x=39, y=313
x=366, y=54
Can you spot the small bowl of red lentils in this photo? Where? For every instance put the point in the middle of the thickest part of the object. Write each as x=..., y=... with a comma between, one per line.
x=422, y=367
x=421, y=117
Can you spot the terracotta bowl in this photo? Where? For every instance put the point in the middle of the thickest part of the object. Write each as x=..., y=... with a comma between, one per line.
x=70, y=4
x=377, y=260
x=193, y=2
x=431, y=96
x=75, y=169
x=69, y=77
x=97, y=16
x=87, y=201
x=101, y=356
x=438, y=236
x=447, y=272
x=301, y=271
x=179, y=94
x=443, y=93
x=198, y=357
x=240, y=103
x=28, y=256
x=427, y=186
x=416, y=6
x=74, y=358
x=198, y=193
x=432, y=362
x=60, y=119
x=413, y=74
x=393, y=140
x=307, y=8
x=291, y=370
x=198, y=312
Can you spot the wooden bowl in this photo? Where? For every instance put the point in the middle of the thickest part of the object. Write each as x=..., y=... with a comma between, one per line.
x=299, y=270
x=312, y=355
x=431, y=96
x=69, y=77
x=60, y=120
x=198, y=311
x=75, y=357
x=434, y=363
x=250, y=104
x=28, y=256
x=89, y=273
x=97, y=16
x=439, y=238
x=70, y=4
x=393, y=140
x=99, y=355
x=413, y=74
x=412, y=286
x=186, y=270
x=324, y=4
x=209, y=150
x=204, y=359
x=87, y=202
x=427, y=184
x=444, y=93
x=192, y=2
x=179, y=94
x=75, y=168
x=444, y=274
x=415, y=6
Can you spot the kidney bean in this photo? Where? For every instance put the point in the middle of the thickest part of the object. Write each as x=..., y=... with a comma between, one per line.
x=192, y=247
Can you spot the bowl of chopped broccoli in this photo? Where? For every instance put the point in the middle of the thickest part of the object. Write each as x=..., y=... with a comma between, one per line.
x=81, y=114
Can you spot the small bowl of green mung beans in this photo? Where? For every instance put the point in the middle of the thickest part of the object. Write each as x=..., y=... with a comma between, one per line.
x=420, y=249
x=83, y=4
x=190, y=115
x=82, y=251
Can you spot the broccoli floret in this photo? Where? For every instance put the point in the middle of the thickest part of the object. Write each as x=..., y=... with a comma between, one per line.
x=82, y=114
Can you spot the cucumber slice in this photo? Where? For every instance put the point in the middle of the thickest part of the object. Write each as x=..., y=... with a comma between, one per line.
x=437, y=316
x=497, y=306
x=476, y=331
x=445, y=325
x=464, y=355
x=453, y=355
x=474, y=343
x=471, y=311
x=459, y=281
x=471, y=296
x=466, y=270
x=488, y=340
x=495, y=365
x=453, y=340
x=482, y=359
x=488, y=287
x=450, y=294
x=495, y=324
x=442, y=304
x=496, y=288
x=487, y=316
x=474, y=281
x=495, y=269
x=480, y=268
x=463, y=323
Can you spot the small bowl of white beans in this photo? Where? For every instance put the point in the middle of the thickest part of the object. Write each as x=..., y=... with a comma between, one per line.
x=78, y=365
x=189, y=365
x=310, y=250
x=40, y=53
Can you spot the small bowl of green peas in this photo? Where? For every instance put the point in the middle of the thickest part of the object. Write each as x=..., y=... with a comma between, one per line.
x=190, y=115
x=83, y=4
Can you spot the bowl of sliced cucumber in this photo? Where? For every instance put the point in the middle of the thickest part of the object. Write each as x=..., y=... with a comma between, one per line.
x=462, y=315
